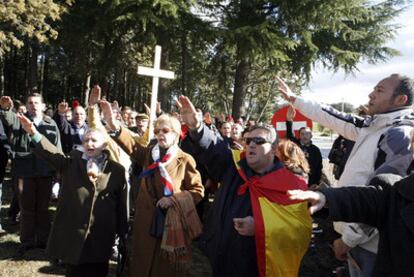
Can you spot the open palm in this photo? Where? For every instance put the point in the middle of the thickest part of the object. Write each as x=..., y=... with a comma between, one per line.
x=188, y=112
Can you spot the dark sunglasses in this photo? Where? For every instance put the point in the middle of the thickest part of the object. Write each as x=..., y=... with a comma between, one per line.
x=256, y=140
x=164, y=130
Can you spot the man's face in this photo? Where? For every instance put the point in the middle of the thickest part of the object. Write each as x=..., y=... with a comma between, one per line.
x=93, y=143
x=236, y=131
x=305, y=135
x=166, y=137
x=79, y=116
x=132, y=122
x=381, y=98
x=125, y=115
x=22, y=109
x=259, y=156
x=142, y=124
x=225, y=130
x=35, y=106
x=68, y=116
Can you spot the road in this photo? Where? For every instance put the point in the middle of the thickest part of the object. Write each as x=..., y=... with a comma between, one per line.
x=324, y=144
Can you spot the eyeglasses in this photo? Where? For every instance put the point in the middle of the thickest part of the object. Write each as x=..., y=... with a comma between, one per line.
x=256, y=140
x=164, y=130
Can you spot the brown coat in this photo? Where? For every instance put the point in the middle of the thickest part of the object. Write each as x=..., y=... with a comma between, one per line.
x=88, y=214
x=145, y=258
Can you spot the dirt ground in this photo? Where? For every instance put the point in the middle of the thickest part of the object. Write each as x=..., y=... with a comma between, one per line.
x=318, y=261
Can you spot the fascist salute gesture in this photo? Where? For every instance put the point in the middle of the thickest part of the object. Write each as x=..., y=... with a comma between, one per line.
x=188, y=112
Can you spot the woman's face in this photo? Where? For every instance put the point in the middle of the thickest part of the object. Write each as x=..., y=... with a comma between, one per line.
x=165, y=135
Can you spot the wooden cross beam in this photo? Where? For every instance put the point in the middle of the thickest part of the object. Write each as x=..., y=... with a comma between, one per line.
x=155, y=73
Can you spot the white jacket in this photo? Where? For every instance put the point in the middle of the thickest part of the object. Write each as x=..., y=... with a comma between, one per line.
x=382, y=145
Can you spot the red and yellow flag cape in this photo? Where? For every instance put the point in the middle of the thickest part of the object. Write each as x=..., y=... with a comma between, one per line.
x=282, y=226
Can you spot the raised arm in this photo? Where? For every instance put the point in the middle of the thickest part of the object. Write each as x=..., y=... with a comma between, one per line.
x=6, y=105
x=123, y=138
x=60, y=118
x=209, y=149
x=346, y=125
x=290, y=114
x=43, y=148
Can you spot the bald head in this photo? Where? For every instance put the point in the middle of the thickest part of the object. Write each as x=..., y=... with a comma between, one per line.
x=78, y=115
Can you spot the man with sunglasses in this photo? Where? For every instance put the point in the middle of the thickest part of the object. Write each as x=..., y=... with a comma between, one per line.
x=232, y=237
x=382, y=145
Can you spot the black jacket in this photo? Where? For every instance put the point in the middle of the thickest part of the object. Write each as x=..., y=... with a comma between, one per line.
x=25, y=163
x=229, y=253
x=312, y=154
x=389, y=208
x=69, y=132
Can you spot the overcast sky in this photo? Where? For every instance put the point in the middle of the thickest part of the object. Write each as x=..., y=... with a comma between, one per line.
x=332, y=88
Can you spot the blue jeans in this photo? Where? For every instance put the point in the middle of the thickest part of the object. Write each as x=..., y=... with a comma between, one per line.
x=361, y=263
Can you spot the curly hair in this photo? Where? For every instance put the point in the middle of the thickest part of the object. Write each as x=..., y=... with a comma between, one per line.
x=292, y=157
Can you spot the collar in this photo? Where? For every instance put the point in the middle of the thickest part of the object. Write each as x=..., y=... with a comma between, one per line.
x=394, y=113
x=100, y=159
x=157, y=151
x=83, y=126
x=250, y=172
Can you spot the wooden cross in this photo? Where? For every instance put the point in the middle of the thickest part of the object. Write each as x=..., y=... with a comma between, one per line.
x=155, y=73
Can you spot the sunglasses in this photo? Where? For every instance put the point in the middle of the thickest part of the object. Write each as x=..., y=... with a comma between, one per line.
x=164, y=130
x=256, y=140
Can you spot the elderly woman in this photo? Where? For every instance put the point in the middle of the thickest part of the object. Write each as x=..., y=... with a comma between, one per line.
x=92, y=204
x=170, y=178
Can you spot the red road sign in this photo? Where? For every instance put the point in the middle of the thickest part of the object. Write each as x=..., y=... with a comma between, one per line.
x=299, y=121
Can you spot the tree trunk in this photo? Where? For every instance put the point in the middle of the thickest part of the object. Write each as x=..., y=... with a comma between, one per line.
x=163, y=93
x=125, y=88
x=26, y=68
x=45, y=79
x=240, y=86
x=2, y=63
x=42, y=72
x=87, y=87
x=184, y=63
x=33, y=80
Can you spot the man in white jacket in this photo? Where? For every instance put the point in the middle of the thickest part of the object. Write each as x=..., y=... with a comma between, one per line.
x=382, y=145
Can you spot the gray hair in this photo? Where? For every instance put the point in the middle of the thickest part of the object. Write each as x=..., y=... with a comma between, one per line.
x=271, y=132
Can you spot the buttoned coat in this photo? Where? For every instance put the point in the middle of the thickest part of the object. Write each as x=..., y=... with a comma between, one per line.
x=146, y=258
x=88, y=214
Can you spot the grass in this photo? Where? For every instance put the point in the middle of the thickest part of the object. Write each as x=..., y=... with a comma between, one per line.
x=35, y=261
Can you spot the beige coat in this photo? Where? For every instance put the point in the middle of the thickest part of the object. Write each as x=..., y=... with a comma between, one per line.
x=145, y=258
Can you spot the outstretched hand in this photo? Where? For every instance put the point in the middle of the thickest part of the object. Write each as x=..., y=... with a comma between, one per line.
x=108, y=115
x=147, y=109
x=63, y=107
x=316, y=199
x=285, y=91
x=290, y=114
x=26, y=124
x=188, y=112
x=95, y=95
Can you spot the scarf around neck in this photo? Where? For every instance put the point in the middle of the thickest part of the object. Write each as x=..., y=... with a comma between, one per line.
x=161, y=163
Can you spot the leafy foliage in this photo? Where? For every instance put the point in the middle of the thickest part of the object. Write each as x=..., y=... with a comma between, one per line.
x=22, y=19
x=225, y=53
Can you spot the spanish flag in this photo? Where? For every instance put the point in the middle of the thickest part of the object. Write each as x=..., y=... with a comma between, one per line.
x=282, y=226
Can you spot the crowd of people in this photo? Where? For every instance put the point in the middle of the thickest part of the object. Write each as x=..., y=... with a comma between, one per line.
x=140, y=198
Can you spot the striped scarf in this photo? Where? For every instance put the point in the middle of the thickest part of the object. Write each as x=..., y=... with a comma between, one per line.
x=161, y=164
